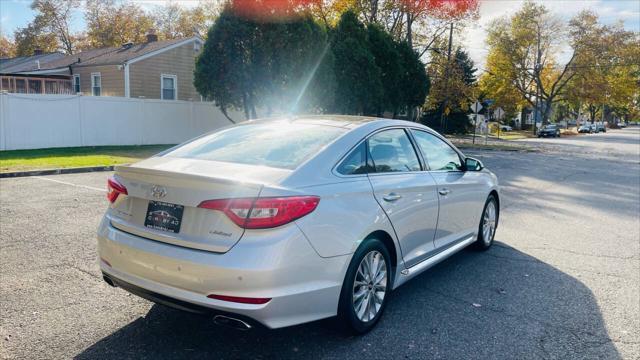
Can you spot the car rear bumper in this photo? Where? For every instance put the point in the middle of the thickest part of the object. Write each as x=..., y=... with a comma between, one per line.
x=278, y=264
x=175, y=303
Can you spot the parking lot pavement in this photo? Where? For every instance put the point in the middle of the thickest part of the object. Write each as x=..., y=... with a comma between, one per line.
x=562, y=281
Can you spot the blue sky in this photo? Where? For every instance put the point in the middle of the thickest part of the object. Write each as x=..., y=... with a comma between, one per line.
x=16, y=13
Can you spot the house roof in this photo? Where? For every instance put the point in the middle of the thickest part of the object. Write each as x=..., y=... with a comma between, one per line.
x=27, y=63
x=93, y=57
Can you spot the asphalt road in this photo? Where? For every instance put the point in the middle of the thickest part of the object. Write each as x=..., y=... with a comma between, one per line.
x=562, y=281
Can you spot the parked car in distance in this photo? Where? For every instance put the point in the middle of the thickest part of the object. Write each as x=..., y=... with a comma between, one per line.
x=286, y=221
x=585, y=128
x=505, y=128
x=622, y=124
x=600, y=128
x=594, y=128
x=549, y=130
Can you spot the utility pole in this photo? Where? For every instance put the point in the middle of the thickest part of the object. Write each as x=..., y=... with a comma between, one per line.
x=446, y=79
x=536, y=74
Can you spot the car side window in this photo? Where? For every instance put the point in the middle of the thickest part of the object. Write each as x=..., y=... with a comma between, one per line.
x=391, y=151
x=355, y=162
x=439, y=155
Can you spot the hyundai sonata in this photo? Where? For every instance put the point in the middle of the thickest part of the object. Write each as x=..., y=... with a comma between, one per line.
x=285, y=221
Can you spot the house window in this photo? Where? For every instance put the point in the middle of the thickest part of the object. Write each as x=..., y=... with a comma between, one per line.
x=76, y=83
x=96, y=84
x=21, y=86
x=51, y=87
x=196, y=46
x=168, y=87
x=35, y=86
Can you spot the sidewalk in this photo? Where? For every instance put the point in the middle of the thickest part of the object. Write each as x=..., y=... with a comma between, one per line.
x=491, y=143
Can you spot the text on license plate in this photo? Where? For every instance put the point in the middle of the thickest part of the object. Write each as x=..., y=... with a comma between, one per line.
x=164, y=216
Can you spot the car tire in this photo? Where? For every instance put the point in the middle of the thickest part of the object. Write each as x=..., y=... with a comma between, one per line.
x=361, y=322
x=485, y=238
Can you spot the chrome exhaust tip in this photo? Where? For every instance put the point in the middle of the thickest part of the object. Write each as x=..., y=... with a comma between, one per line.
x=231, y=322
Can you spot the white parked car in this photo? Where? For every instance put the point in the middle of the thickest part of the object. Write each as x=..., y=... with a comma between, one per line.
x=282, y=222
x=505, y=128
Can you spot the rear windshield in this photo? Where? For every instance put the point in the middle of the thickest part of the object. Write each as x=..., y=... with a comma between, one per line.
x=282, y=145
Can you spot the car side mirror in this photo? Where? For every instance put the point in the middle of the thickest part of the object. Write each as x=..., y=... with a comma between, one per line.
x=472, y=164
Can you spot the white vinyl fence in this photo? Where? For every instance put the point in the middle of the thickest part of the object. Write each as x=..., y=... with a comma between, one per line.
x=44, y=121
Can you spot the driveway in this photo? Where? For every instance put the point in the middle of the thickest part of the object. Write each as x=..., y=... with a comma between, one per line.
x=562, y=281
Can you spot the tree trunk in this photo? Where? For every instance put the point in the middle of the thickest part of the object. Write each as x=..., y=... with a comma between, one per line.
x=409, y=30
x=224, y=112
x=245, y=105
x=592, y=113
x=67, y=43
x=374, y=11
x=254, y=114
x=411, y=114
x=547, y=112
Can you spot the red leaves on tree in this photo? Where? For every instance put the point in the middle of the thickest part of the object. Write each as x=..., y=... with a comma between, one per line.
x=443, y=9
x=276, y=10
x=270, y=10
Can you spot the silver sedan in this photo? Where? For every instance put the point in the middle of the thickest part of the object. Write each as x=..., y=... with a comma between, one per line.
x=284, y=221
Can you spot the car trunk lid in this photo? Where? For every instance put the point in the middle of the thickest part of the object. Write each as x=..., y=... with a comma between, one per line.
x=162, y=191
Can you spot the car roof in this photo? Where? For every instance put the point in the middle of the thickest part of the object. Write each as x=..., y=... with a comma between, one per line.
x=357, y=128
x=343, y=121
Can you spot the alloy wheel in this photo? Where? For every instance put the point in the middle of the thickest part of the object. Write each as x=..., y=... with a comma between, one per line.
x=370, y=286
x=489, y=222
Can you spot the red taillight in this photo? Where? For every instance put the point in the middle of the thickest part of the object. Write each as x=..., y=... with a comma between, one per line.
x=242, y=300
x=264, y=213
x=114, y=189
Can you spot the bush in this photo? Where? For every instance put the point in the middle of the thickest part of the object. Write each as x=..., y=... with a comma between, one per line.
x=456, y=123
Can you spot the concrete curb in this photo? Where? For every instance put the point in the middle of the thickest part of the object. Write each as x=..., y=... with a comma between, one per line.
x=56, y=171
x=489, y=148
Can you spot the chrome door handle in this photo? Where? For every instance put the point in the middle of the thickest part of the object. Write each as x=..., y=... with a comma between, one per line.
x=391, y=197
x=444, y=192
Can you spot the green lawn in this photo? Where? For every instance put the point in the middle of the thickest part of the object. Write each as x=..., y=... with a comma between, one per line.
x=41, y=159
x=513, y=134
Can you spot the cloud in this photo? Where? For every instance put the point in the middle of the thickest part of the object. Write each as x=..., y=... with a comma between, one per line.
x=628, y=14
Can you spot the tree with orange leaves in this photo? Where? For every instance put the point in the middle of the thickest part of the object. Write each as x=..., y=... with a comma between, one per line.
x=432, y=17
